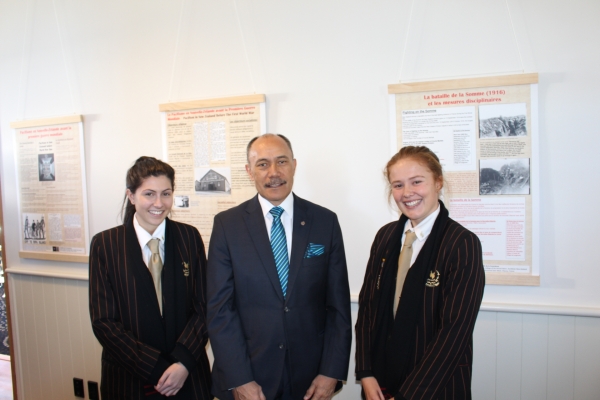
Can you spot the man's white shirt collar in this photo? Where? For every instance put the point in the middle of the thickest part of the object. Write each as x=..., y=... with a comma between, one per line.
x=287, y=205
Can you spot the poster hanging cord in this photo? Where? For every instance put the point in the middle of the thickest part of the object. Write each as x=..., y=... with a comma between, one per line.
x=412, y=5
x=237, y=15
x=176, y=50
x=22, y=94
x=512, y=25
x=62, y=48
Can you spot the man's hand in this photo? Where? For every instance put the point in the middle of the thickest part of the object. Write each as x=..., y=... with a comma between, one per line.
x=172, y=380
x=322, y=388
x=249, y=391
x=371, y=388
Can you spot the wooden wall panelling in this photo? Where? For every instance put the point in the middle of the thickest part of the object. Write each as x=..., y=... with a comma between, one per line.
x=561, y=357
x=587, y=356
x=534, y=355
x=484, y=356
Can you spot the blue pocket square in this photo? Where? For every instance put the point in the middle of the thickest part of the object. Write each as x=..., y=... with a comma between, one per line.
x=314, y=250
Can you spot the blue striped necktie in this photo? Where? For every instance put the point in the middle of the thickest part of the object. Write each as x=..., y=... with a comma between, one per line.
x=279, y=246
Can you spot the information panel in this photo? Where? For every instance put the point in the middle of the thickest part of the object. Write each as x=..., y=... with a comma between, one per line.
x=206, y=145
x=484, y=131
x=52, y=190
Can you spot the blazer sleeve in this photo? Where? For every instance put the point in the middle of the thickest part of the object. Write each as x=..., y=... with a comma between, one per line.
x=138, y=358
x=224, y=326
x=461, y=299
x=191, y=344
x=366, y=313
x=338, y=326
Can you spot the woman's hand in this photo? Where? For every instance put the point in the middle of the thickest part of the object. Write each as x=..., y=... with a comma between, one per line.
x=371, y=388
x=172, y=380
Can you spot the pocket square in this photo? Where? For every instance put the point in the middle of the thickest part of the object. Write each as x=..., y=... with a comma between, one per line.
x=314, y=250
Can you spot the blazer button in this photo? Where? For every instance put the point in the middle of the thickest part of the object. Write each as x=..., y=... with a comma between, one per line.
x=281, y=345
x=286, y=309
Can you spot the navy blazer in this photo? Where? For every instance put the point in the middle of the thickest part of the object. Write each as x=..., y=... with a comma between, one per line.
x=252, y=326
x=138, y=344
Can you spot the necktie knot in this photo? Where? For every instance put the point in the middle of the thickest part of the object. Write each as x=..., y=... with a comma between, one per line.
x=153, y=245
x=276, y=212
x=410, y=238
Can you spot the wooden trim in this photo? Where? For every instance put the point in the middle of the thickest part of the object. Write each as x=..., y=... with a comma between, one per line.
x=511, y=279
x=78, y=275
x=71, y=119
x=54, y=256
x=541, y=309
x=217, y=102
x=467, y=83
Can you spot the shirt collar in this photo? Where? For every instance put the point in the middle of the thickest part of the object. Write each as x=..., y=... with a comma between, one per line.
x=287, y=205
x=144, y=236
x=424, y=228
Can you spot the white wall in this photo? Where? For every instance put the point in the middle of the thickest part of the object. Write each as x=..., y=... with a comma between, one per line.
x=324, y=67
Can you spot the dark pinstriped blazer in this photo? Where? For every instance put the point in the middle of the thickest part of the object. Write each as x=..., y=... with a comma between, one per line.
x=443, y=350
x=138, y=344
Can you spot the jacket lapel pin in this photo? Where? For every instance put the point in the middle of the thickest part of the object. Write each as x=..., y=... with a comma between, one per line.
x=186, y=269
x=302, y=223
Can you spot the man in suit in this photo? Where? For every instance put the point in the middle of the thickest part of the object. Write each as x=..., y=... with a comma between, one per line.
x=278, y=320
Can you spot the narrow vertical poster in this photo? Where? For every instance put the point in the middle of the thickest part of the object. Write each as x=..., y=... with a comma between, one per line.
x=52, y=189
x=206, y=145
x=484, y=131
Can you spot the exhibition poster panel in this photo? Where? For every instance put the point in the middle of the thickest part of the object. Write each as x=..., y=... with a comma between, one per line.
x=52, y=191
x=484, y=132
x=207, y=148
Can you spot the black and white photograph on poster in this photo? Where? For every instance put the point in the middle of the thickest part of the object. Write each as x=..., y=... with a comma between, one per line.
x=182, y=201
x=504, y=176
x=502, y=120
x=34, y=228
x=46, y=167
x=212, y=181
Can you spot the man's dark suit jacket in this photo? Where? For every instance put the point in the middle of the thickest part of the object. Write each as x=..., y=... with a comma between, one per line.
x=252, y=326
x=443, y=350
x=138, y=344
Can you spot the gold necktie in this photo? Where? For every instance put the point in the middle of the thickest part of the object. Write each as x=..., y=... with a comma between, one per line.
x=155, y=266
x=403, y=265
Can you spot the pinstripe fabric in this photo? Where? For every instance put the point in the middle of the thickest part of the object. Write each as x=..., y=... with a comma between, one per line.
x=138, y=344
x=443, y=350
x=279, y=246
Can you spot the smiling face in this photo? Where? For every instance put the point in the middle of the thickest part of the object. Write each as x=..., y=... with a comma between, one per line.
x=153, y=200
x=271, y=166
x=414, y=189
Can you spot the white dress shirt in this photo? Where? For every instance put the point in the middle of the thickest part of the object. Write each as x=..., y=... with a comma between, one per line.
x=422, y=231
x=144, y=237
x=287, y=217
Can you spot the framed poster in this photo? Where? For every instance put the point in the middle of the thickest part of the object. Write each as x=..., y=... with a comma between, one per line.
x=205, y=142
x=52, y=189
x=485, y=133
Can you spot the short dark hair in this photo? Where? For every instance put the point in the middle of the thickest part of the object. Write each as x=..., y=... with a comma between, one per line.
x=143, y=168
x=251, y=142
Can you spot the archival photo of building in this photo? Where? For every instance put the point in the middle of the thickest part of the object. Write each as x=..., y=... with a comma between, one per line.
x=212, y=181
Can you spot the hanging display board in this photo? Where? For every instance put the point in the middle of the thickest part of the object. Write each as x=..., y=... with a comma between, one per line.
x=205, y=143
x=485, y=133
x=52, y=189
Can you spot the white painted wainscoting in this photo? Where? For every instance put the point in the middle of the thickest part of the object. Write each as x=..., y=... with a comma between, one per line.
x=518, y=355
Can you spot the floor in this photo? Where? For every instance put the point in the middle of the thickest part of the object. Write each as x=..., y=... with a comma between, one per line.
x=5, y=381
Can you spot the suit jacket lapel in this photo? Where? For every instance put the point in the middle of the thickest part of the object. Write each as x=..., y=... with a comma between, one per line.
x=255, y=222
x=301, y=229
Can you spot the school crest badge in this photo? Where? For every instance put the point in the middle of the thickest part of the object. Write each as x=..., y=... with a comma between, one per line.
x=434, y=279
